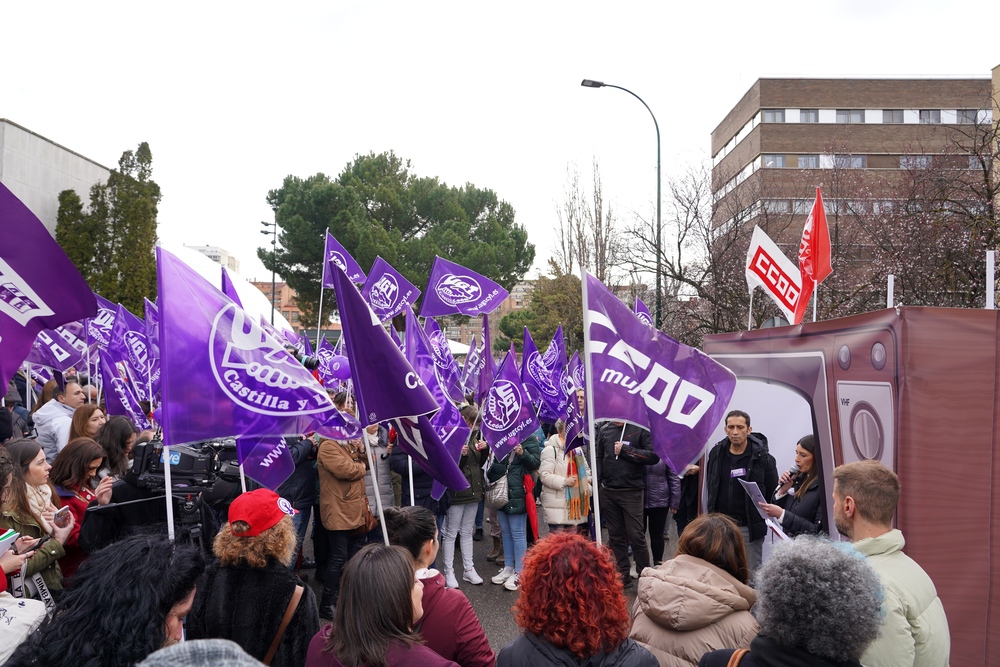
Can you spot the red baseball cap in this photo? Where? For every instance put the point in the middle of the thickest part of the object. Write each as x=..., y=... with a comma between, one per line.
x=261, y=508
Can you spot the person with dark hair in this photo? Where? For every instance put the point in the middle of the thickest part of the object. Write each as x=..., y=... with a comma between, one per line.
x=10, y=562
x=87, y=421
x=54, y=419
x=117, y=437
x=700, y=600
x=524, y=459
x=818, y=603
x=29, y=508
x=126, y=602
x=461, y=515
x=798, y=500
x=382, y=634
x=300, y=489
x=246, y=594
x=72, y=471
x=661, y=499
x=448, y=624
x=572, y=608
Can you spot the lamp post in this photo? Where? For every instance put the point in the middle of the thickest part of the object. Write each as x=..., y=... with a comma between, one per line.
x=272, y=229
x=588, y=83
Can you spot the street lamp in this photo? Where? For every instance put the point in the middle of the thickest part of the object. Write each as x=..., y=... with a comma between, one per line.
x=589, y=83
x=272, y=229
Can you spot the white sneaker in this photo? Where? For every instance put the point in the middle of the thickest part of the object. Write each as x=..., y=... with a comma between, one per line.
x=512, y=584
x=632, y=573
x=503, y=575
x=472, y=577
x=450, y=581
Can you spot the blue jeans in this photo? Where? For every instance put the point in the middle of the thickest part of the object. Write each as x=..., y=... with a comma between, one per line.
x=513, y=529
x=479, y=514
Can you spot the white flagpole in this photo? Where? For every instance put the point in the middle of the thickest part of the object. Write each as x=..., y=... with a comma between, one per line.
x=319, y=322
x=378, y=494
x=990, y=279
x=29, y=389
x=413, y=495
x=750, y=312
x=890, y=294
x=169, y=487
x=815, y=298
x=243, y=479
x=589, y=366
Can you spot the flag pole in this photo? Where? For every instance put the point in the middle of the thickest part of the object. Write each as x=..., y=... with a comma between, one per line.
x=589, y=381
x=815, y=298
x=243, y=479
x=413, y=498
x=319, y=320
x=378, y=494
x=29, y=389
x=169, y=486
x=750, y=312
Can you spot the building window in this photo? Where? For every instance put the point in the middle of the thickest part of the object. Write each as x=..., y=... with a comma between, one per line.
x=914, y=161
x=295, y=317
x=808, y=115
x=286, y=314
x=930, y=116
x=967, y=116
x=892, y=115
x=777, y=206
x=774, y=161
x=774, y=115
x=850, y=115
x=802, y=206
x=850, y=161
x=808, y=162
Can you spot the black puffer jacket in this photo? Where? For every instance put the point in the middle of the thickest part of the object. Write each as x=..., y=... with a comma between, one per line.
x=628, y=469
x=762, y=470
x=530, y=650
x=765, y=652
x=803, y=515
x=520, y=465
x=472, y=467
x=300, y=487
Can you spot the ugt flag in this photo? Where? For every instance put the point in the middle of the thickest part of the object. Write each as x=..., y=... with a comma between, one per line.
x=99, y=327
x=539, y=381
x=642, y=312
x=221, y=374
x=61, y=348
x=387, y=291
x=265, y=460
x=334, y=256
x=769, y=269
x=453, y=289
x=447, y=368
x=643, y=376
x=118, y=395
x=39, y=286
x=508, y=418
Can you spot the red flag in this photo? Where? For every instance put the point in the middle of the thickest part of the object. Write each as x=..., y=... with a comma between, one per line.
x=804, y=296
x=814, y=248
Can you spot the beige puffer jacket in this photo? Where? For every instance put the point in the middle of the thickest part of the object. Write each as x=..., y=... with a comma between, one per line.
x=687, y=607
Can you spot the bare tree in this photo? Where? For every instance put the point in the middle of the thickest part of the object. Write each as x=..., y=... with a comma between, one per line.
x=587, y=233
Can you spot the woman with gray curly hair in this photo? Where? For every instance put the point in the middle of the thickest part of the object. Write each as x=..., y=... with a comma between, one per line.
x=818, y=603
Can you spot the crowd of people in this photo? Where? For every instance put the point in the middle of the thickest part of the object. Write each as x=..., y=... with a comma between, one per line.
x=108, y=587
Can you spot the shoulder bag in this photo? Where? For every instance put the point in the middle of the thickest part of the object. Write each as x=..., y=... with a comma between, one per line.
x=498, y=493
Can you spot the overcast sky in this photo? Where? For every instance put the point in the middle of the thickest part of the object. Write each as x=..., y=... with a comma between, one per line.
x=232, y=97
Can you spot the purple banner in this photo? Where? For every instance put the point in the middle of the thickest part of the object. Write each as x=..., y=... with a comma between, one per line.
x=508, y=417
x=385, y=385
x=333, y=368
x=130, y=348
x=230, y=290
x=265, y=460
x=444, y=361
x=485, y=366
x=118, y=395
x=387, y=292
x=470, y=378
x=99, y=327
x=642, y=312
x=643, y=376
x=39, y=286
x=222, y=375
x=335, y=256
x=536, y=375
x=454, y=289
x=418, y=438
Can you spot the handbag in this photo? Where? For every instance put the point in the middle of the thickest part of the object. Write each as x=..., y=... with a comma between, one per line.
x=498, y=493
x=369, y=521
x=18, y=618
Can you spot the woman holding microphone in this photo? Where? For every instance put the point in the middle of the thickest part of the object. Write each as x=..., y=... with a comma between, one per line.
x=798, y=500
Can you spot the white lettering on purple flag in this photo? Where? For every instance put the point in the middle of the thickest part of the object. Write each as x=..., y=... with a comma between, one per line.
x=17, y=300
x=338, y=259
x=455, y=290
x=385, y=293
x=502, y=405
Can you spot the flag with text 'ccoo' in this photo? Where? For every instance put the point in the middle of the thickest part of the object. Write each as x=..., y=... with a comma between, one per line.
x=645, y=377
x=265, y=460
x=336, y=256
x=222, y=375
x=39, y=286
x=61, y=348
x=507, y=416
x=455, y=290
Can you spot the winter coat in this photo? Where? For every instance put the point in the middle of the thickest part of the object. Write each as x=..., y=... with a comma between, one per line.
x=628, y=469
x=663, y=487
x=341, y=467
x=762, y=470
x=765, y=652
x=300, y=487
x=46, y=559
x=530, y=650
x=398, y=655
x=805, y=515
x=246, y=604
x=915, y=631
x=399, y=461
x=52, y=422
x=472, y=468
x=520, y=465
x=77, y=500
x=379, y=452
x=552, y=473
x=449, y=625
x=687, y=607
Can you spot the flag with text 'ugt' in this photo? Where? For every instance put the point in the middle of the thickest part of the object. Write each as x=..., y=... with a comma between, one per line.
x=507, y=416
x=333, y=368
x=265, y=460
x=538, y=382
x=39, y=286
x=387, y=291
x=130, y=348
x=119, y=399
x=152, y=319
x=642, y=376
x=642, y=312
x=444, y=361
x=455, y=290
x=100, y=325
x=335, y=257
x=222, y=375
x=554, y=359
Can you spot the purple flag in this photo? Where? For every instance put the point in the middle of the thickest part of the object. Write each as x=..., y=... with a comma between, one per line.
x=394, y=335
x=62, y=348
x=118, y=395
x=129, y=347
x=642, y=376
x=418, y=438
x=385, y=385
x=336, y=256
x=222, y=375
x=470, y=380
x=99, y=327
x=576, y=425
x=452, y=289
x=485, y=366
x=333, y=368
x=642, y=312
x=299, y=341
x=387, y=291
x=271, y=330
x=576, y=372
x=230, y=290
x=265, y=460
x=152, y=317
x=508, y=418
x=444, y=361
x=39, y=286
x=536, y=374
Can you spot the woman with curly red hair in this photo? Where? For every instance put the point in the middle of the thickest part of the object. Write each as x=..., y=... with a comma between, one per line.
x=572, y=608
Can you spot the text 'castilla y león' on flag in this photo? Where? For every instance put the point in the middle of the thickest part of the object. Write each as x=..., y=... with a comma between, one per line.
x=645, y=377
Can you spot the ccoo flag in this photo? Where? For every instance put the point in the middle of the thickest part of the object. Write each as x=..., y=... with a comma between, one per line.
x=336, y=256
x=644, y=377
x=387, y=291
x=39, y=286
x=508, y=417
x=222, y=375
x=768, y=268
x=453, y=289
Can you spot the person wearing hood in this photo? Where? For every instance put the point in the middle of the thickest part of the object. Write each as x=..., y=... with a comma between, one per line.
x=700, y=600
x=54, y=419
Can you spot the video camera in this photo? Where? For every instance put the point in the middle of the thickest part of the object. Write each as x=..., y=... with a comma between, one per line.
x=198, y=467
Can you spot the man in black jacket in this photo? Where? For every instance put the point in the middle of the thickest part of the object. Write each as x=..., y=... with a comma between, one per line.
x=623, y=452
x=742, y=455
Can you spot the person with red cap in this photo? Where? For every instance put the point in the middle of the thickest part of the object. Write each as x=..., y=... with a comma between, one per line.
x=250, y=595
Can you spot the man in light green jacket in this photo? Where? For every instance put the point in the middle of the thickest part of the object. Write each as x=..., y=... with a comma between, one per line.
x=915, y=632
